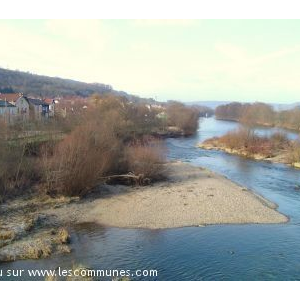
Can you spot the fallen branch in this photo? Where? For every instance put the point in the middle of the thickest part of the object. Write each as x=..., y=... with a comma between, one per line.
x=138, y=179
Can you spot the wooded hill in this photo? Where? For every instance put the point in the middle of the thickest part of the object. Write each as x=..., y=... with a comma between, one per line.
x=46, y=86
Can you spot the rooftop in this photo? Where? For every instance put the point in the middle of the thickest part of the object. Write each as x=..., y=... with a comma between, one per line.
x=5, y=104
x=34, y=101
x=10, y=97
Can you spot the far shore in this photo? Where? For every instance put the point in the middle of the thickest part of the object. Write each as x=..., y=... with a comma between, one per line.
x=190, y=196
x=262, y=125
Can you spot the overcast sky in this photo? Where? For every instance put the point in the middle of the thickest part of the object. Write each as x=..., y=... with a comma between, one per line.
x=238, y=60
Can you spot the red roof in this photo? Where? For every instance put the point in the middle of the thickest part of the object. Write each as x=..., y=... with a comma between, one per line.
x=12, y=97
x=48, y=101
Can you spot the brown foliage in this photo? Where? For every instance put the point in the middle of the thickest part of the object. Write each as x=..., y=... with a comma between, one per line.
x=279, y=140
x=78, y=162
x=72, y=155
x=236, y=139
x=259, y=114
x=183, y=117
x=146, y=159
x=294, y=153
x=246, y=140
x=18, y=171
x=290, y=118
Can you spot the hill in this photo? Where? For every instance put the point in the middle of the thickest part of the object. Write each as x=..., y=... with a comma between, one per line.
x=46, y=86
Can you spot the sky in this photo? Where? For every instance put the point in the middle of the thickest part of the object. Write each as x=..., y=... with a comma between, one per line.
x=187, y=60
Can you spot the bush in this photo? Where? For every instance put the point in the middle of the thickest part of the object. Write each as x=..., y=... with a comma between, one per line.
x=80, y=160
x=261, y=146
x=279, y=140
x=147, y=159
x=237, y=139
x=294, y=153
x=18, y=172
x=246, y=140
x=183, y=117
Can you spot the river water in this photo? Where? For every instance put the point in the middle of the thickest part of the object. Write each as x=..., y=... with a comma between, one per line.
x=218, y=252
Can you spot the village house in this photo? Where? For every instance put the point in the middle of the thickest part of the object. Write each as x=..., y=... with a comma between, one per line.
x=10, y=97
x=8, y=112
x=51, y=103
x=31, y=109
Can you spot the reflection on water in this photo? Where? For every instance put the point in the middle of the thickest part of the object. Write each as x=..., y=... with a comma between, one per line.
x=230, y=252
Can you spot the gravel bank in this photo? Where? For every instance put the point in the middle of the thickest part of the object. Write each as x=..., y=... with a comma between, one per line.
x=35, y=228
x=190, y=197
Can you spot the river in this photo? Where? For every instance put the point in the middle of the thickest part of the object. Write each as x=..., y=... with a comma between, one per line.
x=218, y=252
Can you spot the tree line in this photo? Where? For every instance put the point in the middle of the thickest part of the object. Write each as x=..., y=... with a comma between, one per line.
x=259, y=114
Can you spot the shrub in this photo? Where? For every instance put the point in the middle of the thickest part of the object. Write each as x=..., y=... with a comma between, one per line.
x=237, y=139
x=294, y=153
x=80, y=160
x=246, y=140
x=147, y=159
x=183, y=117
x=18, y=172
x=260, y=145
x=279, y=140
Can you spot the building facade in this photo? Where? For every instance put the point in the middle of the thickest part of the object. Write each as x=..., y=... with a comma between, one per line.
x=8, y=112
x=32, y=109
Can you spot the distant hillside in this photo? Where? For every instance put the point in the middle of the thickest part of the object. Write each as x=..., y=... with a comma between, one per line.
x=45, y=86
x=210, y=104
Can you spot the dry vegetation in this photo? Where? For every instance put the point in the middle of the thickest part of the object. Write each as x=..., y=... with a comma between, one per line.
x=259, y=114
x=246, y=142
x=17, y=170
x=253, y=144
x=295, y=152
x=183, y=117
x=146, y=159
x=78, y=161
x=72, y=155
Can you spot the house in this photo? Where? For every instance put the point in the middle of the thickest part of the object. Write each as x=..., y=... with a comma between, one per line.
x=38, y=109
x=10, y=97
x=51, y=103
x=8, y=112
x=32, y=109
x=22, y=108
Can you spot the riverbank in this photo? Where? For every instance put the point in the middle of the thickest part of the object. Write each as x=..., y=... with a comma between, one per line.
x=191, y=196
x=280, y=156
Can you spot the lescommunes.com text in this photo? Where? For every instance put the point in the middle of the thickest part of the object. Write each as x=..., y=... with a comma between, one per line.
x=77, y=272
